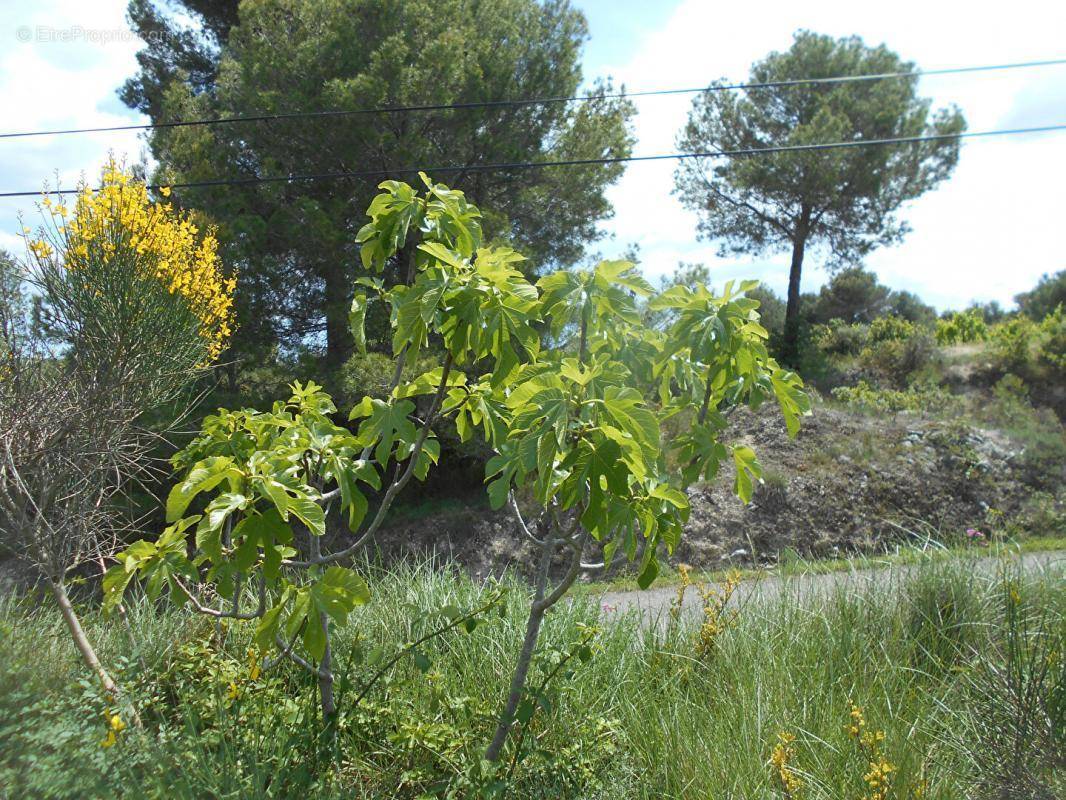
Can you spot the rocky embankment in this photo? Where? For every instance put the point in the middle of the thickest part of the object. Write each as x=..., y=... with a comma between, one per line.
x=849, y=483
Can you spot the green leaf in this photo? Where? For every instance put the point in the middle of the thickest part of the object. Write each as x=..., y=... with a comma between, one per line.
x=386, y=424
x=309, y=512
x=209, y=531
x=597, y=471
x=357, y=321
x=441, y=253
x=650, y=572
x=677, y=499
x=338, y=591
x=204, y=476
x=790, y=397
x=563, y=298
x=747, y=469
x=114, y=584
x=266, y=527
x=268, y=626
x=506, y=465
x=272, y=557
x=525, y=711
x=245, y=554
x=314, y=637
x=625, y=406
x=392, y=214
x=352, y=500
x=626, y=274
x=429, y=383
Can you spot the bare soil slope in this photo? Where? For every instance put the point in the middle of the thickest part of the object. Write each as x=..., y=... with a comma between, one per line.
x=848, y=483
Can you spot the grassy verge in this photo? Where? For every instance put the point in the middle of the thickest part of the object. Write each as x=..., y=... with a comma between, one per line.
x=719, y=706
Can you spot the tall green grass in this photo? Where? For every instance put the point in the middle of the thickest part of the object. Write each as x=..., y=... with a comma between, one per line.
x=962, y=669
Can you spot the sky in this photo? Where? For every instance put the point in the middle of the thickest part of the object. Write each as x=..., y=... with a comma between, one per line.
x=986, y=234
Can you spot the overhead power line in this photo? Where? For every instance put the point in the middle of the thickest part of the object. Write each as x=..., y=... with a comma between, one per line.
x=534, y=101
x=577, y=162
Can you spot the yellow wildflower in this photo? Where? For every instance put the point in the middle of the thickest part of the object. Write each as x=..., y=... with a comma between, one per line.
x=858, y=722
x=115, y=726
x=780, y=761
x=233, y=692
x=716, y=620
x=868, y=743
x=41, y=249
x=878, y=778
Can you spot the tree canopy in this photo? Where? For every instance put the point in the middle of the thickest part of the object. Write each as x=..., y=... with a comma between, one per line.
x=1042, y=300
x=844, y=201
x=292, y=243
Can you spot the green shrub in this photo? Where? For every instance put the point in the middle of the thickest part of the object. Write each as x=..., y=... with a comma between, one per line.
x=1044, y=514
x=373, y=373
x=909, y=306
x=962, y=327
x=919, y=398
x=1036, y=352
x=899, y=361
x=1051, y=343
x=891, y=329
x=852, y=295
x=1012, y=343
x=840, y=338
x=1037, y=431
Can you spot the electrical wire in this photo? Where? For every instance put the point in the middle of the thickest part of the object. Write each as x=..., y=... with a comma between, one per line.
x=722, y=87
x=751, y=151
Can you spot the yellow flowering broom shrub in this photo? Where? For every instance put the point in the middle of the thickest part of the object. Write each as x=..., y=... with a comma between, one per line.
x=133, y=306
x=132, y=282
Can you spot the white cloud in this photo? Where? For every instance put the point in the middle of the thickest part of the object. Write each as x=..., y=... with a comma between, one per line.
x=61, y=62
x=988, y=233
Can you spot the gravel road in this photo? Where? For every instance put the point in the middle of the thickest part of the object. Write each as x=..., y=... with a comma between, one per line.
x=653, y=603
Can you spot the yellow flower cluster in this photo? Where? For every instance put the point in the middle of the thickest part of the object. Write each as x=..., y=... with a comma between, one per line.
x=254, y=670
x=878, y=777
x=115, y=726
x=120, y=221
x=234, y=690
x=1014, y=596
x=716, y=620
x=781, y=763
x=684, y=570
x=857, y=724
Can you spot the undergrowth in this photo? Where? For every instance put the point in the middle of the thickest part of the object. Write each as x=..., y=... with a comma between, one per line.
x=956, y=671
